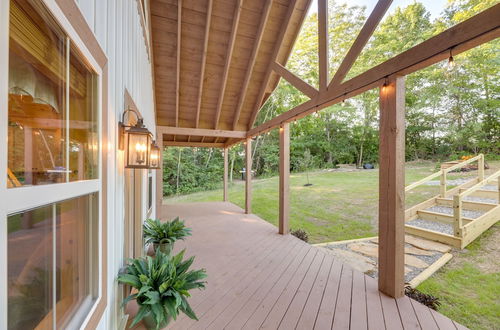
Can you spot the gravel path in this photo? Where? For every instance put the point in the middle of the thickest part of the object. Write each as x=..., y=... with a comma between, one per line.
x=449, y=210
x=455, y=182
x=444, y=228
x=490, y=187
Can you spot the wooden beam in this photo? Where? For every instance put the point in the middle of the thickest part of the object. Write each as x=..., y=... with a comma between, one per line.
x=193, y=144
x=203, y=61
x=251, y=61
x=298, y=83
x=248, y=176
x=364, y=35
x=227, y=64
x=471, y=33
x=272, y=59
x=284, y=187
x=201, y=132
x=323, y=44
x=391, y=188
x=178, y=63
x=159, y=180
x=226, y=172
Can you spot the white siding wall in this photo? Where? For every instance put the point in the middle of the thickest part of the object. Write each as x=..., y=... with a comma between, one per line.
x=117, y=27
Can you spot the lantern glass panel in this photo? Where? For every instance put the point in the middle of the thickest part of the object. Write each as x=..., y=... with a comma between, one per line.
x=155, y=157
x=138, y=147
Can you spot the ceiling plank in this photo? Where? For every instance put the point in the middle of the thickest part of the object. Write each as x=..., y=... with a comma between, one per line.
x=272, y=59
x=298, y=83
x=471, y=33
x=192, y=144
x=323, y=44
x=251, y=61
x=200, y=132
x=357, y=47
x=178, y=63
x=203, y=61
x=229, y=55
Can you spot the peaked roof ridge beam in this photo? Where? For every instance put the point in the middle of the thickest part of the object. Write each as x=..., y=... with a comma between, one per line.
x=475, y=31
x=277, y=46
x=359, y=43
x=234, y=32
x=323, y=44
x=251, y=62
x=297, y=82
x=203, y=61
x=178, y=63
x=193, y=144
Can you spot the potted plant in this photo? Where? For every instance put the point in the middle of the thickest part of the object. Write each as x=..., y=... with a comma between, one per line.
x=163, y=234
x=161, y=287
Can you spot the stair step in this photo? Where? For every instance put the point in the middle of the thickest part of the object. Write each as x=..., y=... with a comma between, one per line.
x=440, y=217
x=467, y=205
x=483, y=193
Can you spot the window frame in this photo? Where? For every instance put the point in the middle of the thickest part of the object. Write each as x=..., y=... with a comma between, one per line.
x=24, y=198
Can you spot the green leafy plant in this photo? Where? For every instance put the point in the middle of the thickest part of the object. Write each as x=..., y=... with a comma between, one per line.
x=300, y=234
x=162, y=285
x=157, y=232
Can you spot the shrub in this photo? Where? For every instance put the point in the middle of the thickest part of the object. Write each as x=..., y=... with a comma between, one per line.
x=423, y=298
x=300, y=234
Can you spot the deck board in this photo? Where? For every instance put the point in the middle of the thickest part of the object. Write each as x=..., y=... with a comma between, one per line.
x=260, y=279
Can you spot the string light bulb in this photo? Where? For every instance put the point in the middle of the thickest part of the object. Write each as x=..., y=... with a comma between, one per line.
x=451, y=62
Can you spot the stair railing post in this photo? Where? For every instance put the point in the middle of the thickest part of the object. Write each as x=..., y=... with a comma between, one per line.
x=443, y=183
x=457, y=215
x=480, y=167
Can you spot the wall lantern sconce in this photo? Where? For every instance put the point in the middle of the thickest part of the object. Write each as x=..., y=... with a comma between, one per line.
x=155, y=156
x=136, y=140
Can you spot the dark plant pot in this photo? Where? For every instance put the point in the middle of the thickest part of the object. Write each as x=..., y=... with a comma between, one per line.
x=165, y=247
x=150, y=322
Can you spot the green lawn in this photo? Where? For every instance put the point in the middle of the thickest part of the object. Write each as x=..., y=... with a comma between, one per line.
x=338, y=206
x=469, y=286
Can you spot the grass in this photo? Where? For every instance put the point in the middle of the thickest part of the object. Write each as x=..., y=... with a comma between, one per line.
x=338, y=206
x=469, y=286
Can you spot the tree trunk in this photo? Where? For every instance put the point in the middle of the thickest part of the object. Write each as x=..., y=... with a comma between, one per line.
x=178, y=171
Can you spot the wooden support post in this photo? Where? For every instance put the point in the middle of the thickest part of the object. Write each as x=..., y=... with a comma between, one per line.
x=284, y=189
x=159, y=181
x=442, y=185
x=457, y=215
x=248, y=176
x=226, y=171
x=391, y=187
x=480, y=167
x=323, y=44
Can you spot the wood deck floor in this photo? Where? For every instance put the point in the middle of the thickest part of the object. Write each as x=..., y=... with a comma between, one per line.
x=260, y=279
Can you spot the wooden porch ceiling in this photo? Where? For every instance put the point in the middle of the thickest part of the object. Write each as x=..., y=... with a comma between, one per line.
x=212, y=60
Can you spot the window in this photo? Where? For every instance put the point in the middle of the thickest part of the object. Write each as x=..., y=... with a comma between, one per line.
x=52, y=116
x=52, y=217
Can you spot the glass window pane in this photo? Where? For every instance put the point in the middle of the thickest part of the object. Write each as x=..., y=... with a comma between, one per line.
x=30, y=269
x=76, y=259
x=83, y=133
x=36, y=134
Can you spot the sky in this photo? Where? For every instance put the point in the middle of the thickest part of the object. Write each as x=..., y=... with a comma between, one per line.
x=435, y=7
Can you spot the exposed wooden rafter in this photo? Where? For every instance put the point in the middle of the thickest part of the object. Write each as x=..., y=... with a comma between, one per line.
x=298, y=83
x=277, y=45
x=471, y=33
x=364, y=35
x=251, y=61
x=203, y=61
x=200, y=132
x=229, y=56
x=323, y=43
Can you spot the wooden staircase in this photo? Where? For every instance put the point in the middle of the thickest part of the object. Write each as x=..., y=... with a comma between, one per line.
x=457, y=216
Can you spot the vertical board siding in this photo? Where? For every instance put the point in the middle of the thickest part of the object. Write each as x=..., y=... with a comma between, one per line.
x=117, y=27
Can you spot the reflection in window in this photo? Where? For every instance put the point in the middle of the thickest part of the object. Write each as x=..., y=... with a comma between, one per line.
x=50, y=140
x=31, y=266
